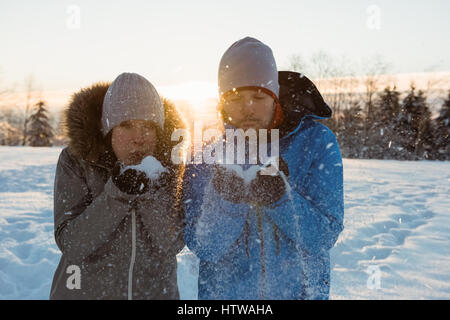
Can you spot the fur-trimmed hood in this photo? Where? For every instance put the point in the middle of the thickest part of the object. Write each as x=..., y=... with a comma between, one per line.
x=82, y=124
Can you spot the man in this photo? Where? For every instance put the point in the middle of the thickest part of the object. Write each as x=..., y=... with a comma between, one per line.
x=118, y=228
x=267, y=239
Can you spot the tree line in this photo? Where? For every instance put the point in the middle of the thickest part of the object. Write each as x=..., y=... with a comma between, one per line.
x=369, y=123
x=36, y=129
x=28, y=122
x=395, y=128
x=371, y=118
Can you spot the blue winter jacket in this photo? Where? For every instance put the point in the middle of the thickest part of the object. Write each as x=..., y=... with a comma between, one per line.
x=280, y=251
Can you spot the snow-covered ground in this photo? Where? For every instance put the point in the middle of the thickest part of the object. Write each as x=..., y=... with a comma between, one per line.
x=396, y=242
x=397, y=226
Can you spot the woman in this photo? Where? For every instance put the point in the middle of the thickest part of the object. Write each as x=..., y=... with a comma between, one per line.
x=118, y=229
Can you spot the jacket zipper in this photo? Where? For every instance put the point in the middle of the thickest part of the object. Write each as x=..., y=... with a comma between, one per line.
x=133, y=242
x=262, y=252
x=133, y=254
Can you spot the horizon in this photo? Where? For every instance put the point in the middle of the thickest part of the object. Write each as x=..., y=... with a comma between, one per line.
x=201, y=94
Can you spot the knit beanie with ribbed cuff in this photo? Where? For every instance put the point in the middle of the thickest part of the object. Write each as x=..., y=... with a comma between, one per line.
x=248, y=63
x=131, y=97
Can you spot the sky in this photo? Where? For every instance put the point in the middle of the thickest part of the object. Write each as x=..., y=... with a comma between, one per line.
x=177, y=45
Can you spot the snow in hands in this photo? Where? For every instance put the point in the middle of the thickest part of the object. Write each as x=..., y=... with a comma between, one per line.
x=268, y=168
x=150, y=165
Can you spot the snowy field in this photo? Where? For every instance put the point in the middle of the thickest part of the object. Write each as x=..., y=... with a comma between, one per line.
x=396, y=242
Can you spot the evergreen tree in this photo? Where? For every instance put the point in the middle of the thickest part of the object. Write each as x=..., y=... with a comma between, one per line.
x=442, y=132
x=351, y=132
x=40, y=132
x=383, y=142
x=414, y=126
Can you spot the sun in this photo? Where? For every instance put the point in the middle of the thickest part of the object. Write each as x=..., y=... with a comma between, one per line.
x=195, y=93
x=197, y=100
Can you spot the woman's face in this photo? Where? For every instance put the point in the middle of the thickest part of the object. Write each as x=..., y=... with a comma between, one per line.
x=133, y=140
x=249, y=108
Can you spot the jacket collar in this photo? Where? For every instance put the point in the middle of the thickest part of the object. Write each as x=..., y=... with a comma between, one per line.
x=300, y=99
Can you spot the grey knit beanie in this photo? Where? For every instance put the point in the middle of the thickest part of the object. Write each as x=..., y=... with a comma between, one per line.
x=129, y=97
x=248, y=63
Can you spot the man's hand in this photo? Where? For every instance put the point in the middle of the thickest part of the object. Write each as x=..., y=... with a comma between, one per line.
x=229, y=185
x=130, y=181
x=267, y=189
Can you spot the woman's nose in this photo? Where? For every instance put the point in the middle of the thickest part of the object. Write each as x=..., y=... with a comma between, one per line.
x=138, y=137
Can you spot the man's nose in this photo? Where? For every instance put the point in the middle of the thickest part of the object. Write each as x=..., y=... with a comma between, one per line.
x=248, y=106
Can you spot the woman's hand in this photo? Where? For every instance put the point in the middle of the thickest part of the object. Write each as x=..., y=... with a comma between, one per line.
x=130, y=181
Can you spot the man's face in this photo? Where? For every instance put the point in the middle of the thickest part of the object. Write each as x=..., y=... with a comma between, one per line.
x=250, y=108
x=133, y=140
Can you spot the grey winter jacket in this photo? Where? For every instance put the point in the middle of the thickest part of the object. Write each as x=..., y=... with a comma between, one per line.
x=114, y=245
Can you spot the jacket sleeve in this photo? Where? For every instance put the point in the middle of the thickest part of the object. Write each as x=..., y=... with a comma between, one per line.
x=162, y=217
x=312, y=215
x=84, y=223
x=212, y=224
